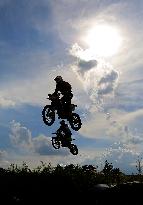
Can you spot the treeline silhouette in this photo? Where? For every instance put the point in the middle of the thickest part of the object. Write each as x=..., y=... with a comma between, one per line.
x=45, y=183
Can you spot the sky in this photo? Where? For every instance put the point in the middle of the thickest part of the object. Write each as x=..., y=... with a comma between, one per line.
x=96, y=46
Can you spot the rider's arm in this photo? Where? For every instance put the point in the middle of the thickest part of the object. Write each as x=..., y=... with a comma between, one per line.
x=59, y=131
x=56, y=89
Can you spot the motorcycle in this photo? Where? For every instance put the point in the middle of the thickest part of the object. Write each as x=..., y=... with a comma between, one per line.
x=58, y=142
x=63, y=111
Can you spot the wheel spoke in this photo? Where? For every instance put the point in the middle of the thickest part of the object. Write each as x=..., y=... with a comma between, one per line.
x=75, y=121
x=55, y=143
x=48, y=115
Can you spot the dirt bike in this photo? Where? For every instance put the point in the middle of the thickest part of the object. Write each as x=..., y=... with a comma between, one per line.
x=61, y=141
x=64, y=112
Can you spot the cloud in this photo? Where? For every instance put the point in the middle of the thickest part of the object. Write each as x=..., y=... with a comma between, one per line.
x=132, y=119
x=66, y=159
x=3, y=159
x=129, y=95
x=108, y=83
x=22, y=139
x=5, y=103
x=95, y=126
x=121, y=156
x=42, y=145
x=76, y=18
x=119, y=153
x=28, y=56
x=114, y=126
x=136, y=139
x=131, y=138
x=117, y=150
x=20, y=136
x=86, y=65
x=33, y=90
x=32, y=150
x=39, y=61
x=130, y=116
x=98, y=77
x=123, y=130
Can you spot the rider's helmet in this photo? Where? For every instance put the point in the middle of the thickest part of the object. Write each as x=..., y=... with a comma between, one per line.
x=62, y=122
x=58, y=79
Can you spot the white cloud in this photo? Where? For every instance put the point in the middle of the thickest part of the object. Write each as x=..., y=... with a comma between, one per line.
x=5, y=102
x=108, y=83
x=132, y=116
x=121, y=157
x=119, y=152
x=22, y=139
x=115, y=126
x=42, y=145
x=124, y=127
x=34, y=90
x=111, y=14
x=132, y=119
x=84, y=156
x=95, y=126
x=76, y=17
x=4, y=163
x=32, y=150
x=36, y=87
x=99, y=79
x=20, y=136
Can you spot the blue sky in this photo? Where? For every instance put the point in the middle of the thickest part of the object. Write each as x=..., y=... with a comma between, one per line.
x=40, y=39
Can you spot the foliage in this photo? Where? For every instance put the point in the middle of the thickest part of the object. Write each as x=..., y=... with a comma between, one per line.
x=21, y=182
x=82, y=177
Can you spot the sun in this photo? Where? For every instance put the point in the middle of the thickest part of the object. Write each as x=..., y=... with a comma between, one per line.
x=103, y=40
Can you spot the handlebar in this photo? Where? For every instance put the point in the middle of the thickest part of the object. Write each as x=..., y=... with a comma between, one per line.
x=54, y=95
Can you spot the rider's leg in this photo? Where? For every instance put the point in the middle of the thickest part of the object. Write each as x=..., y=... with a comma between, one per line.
x=67, y=98
x=69, y=138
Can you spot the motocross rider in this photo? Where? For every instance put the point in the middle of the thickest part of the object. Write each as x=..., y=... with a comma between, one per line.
x=65, y=89
x=65, y=130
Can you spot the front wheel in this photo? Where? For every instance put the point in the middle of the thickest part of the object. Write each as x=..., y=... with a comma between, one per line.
x=73, y=149
x=55, y=143
x=75, y=121
x=48, y=115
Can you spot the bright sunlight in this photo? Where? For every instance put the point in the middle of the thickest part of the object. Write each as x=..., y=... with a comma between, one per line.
x=103, y=40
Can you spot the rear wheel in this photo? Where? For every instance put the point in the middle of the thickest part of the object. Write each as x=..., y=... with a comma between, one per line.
x=73, y=149
x=55, y=143
x=75, y=121
x=48, y=115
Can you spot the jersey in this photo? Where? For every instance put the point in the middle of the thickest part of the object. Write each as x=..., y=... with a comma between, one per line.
x=65, y=129
x=63, y=87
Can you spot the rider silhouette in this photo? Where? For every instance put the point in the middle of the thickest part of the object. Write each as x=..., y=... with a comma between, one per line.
x=65, y=89
x=64, y=131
